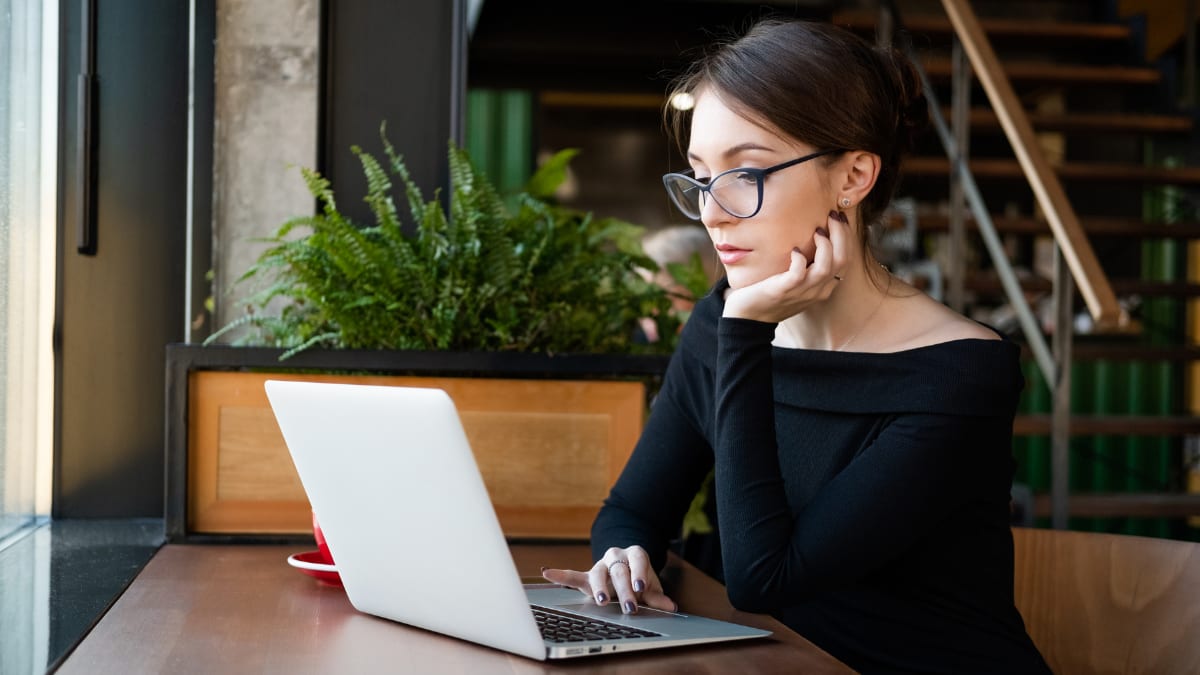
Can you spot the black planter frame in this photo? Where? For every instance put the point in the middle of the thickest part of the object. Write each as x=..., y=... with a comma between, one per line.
x=183, y=359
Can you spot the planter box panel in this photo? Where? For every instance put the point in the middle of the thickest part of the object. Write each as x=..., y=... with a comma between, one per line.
x=248, y=469
x=549, y=450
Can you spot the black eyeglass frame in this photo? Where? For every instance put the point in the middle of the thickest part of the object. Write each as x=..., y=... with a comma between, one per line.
x=759, y=176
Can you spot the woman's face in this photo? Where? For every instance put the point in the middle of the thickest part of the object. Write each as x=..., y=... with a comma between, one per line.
x=796, y=200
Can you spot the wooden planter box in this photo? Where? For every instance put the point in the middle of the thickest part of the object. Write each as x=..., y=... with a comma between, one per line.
x=550, y=434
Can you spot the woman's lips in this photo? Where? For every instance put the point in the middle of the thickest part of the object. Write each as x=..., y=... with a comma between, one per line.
x=730, y=255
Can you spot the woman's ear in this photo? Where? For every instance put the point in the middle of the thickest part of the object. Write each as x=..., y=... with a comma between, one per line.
x=861, y=172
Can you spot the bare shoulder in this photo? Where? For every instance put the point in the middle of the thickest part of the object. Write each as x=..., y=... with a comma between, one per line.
x=929, y=322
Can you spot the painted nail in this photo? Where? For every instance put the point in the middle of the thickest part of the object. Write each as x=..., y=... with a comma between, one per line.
x=676, y=610
x=629, y=607
x=834, y=215
x=823, y=232
x=842, y=217
x=601, y=598
x=639, y=586
x=796, y=249
x=543, y=568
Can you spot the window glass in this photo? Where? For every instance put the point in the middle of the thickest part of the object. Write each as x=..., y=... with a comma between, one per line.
x=27, y=180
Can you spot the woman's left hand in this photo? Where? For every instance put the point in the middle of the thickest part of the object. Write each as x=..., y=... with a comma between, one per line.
x=800, y=286
x=624, y=575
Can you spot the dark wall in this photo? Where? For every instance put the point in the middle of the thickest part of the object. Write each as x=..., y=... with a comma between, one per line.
x=614, y=46
x=395, y=62
x=118, y=308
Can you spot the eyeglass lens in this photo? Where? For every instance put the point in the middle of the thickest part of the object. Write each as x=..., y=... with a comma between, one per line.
x=736, y=192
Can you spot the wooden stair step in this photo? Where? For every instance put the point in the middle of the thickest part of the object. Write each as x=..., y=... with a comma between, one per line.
x=984, y=119
x=929, y=24
x=1110, y=425
x=1096, y=226
x=1118, y=504
x=1085, y=351
x=990, y=285
x=1037, y=72
x=1108, y=172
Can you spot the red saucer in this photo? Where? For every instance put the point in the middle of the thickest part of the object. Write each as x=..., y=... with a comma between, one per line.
x=312, y=563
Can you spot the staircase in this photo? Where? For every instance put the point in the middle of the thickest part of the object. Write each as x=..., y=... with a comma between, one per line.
x=1112, y=128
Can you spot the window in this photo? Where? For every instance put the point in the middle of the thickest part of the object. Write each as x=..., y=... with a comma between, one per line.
x=28, y=130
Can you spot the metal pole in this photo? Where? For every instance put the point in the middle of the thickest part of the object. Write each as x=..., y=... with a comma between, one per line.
x=960, y=101
x=1060, y=418
x=1189, y=57
x=987, y=230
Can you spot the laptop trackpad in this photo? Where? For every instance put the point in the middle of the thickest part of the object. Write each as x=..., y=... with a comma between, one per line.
x=612, y=612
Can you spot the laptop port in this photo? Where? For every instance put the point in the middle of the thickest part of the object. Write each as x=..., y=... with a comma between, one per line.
x=594, y=650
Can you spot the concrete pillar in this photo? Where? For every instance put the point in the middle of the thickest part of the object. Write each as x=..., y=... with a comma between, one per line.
x=266, y=98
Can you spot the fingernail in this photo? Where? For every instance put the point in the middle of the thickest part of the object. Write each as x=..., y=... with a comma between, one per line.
x=543, y=568
x=601, y=598
x=629, y=607
x=834, y=215
x=823, y=232
x=639, y=585
x=795, y=249
x=676, y=609
x=842, y=217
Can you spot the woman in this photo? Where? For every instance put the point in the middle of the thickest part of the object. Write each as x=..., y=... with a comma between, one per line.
x=860, y=432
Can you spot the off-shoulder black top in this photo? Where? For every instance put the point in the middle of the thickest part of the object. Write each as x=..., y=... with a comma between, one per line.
x=862, y=498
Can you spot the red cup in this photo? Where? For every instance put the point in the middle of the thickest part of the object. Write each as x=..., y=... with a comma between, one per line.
x=323, y=547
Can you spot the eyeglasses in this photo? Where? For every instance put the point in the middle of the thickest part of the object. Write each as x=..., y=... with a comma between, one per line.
x=739, y=192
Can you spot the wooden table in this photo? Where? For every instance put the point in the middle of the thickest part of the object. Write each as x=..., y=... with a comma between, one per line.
x=242, y=609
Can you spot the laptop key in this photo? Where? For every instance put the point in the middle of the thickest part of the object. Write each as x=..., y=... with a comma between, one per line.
x=560, y=626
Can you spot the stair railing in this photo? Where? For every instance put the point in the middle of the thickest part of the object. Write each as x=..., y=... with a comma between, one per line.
x=1074, y=260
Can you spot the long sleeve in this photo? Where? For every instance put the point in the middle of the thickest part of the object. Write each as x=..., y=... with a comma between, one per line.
x=649, y=500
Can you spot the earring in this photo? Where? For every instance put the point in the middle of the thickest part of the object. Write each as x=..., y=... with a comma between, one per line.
x=845, y=202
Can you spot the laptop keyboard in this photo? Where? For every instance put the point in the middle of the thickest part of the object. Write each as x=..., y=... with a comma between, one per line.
x=559, y=626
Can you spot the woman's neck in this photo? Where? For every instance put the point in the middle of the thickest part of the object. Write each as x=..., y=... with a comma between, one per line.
x=845, y=321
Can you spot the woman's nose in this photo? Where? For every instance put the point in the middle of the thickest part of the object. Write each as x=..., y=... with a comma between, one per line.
x=711, y=213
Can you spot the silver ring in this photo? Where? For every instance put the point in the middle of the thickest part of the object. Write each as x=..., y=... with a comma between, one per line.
x=615, y=563
x=838, y=277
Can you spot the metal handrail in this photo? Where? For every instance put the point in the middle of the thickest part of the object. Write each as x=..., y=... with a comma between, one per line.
x=963, y=181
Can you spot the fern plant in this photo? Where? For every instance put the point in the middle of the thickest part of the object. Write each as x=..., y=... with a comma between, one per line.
x=537, y=277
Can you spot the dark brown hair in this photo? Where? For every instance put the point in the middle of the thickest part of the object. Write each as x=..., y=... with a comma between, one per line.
x=821, y=85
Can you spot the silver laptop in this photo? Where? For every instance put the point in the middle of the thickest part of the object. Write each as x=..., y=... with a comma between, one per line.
x=391, y=477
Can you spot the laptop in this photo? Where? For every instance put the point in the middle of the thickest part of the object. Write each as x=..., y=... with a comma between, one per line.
x=393, y=482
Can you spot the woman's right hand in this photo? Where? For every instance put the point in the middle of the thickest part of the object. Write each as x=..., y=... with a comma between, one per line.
x=623, y=575
x=803, y=284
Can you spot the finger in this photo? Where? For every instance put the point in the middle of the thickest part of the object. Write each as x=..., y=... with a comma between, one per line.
x=569, y=578
x=658, y=600
x=639, y=568
x=799, y=262
x=822, y=267
x=622, y=583
x=598, y=579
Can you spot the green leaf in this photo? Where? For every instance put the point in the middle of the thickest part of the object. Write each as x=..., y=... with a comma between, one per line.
x=551, y=174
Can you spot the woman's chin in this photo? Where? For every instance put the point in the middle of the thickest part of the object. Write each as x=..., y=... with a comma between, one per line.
x=741, y=278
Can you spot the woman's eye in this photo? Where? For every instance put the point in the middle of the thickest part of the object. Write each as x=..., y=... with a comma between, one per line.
x=703, y=179
x=747, y=177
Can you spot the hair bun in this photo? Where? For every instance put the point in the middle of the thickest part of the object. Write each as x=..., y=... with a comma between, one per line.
x=912, y=108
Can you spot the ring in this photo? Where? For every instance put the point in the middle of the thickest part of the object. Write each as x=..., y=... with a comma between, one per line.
x=838, y=277
x=615, y=563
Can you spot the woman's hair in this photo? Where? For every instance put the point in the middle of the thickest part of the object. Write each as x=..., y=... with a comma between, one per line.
x=821, y=85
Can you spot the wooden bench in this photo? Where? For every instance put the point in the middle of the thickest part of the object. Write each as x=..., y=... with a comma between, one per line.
x=1104, y=603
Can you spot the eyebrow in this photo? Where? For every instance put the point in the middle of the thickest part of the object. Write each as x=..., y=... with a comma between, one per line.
x=739, y=148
